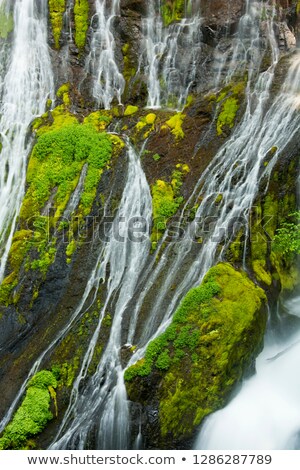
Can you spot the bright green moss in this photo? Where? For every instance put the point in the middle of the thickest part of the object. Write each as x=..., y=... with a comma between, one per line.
x=81, y=18
x=130, y=110
x=56, y=12
x=63, y=93
x=164, y=204
x=6, y=22
x=56, y=162
x=33, y=414
x=175, y=124
x=54, y=120
x=172, y=10
x=166, y=200
x=259, y=268
x=146, y=123
x=100, y=120
x=227, y=115
x=214, y=336
x=229, y=98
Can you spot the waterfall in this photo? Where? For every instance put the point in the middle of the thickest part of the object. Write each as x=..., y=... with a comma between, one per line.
x=98, y=411
x=265, y=414
x=105, y=394
x=235, y=172
x=245, y=51
x=27, y=82
x=109, y=83
x=170, y=56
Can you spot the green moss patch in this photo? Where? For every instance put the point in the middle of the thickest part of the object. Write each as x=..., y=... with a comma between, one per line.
x=215, y=334
x=81, y=18
x=230, y=99
x=166, y=200
x=33, y=414
x=56, y=12
x=172, y=10
x=6, y=22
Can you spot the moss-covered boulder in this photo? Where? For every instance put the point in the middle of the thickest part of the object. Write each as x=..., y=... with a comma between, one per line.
x=33, y=414
x=213, y=340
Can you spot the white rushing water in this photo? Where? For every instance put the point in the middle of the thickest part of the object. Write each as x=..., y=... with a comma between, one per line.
x=106, y=390
x=265, y=414
x=98, y=410
x=109, y=83
x=170, y=55
x=245, y=52
x=27, y=82
x=235, y=172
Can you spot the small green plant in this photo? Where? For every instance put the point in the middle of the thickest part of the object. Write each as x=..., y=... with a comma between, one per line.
x=287, y=238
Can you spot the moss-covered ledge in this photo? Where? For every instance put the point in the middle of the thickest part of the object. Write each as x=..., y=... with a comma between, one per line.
x=33, y=414
x=213, y=340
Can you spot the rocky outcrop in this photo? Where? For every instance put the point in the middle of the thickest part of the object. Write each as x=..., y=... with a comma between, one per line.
x=190, y=370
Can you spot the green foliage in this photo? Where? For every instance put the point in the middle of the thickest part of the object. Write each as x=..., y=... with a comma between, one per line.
x=56, y=162
x=99, y=119
x=215, y=333
x=287, y=238
x=227, y=114
x=166, y=200
x=175, y=124
x=63, y=93
x=33, y=414
x=130, y=110
x=6, y=22
x=81, y=17
x=165, y=205
x=56, y=11
x=172, y=10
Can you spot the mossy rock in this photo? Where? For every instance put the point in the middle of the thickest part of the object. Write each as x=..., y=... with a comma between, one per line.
x=34, y=412
x=216, y=333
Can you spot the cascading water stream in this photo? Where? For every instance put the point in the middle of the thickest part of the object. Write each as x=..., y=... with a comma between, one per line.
x=245, y=52
x=105, y=391
x=27, y=82
x=235, y=172
x=98, y=407
x=109, y=83
x=170, y=55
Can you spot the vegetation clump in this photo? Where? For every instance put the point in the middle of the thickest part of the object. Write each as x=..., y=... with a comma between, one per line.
x=175, y=124
x=229, y=98
x=81, y=17
x=287, y=237
x=56, y=12
x=6, y=22
x=166, y=200
x=33, y=414
x=172, y=10
x=214, y=336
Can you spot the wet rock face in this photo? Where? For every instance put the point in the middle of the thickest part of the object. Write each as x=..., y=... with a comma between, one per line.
x=221, y=13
